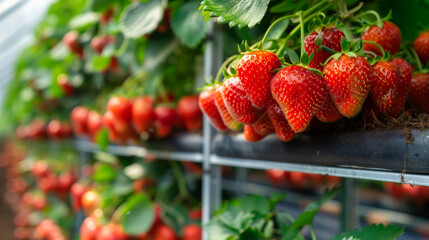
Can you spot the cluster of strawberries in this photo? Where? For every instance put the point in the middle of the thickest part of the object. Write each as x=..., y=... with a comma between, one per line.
x=129, y=119
x=37, y=129
x=299, y=180
x=336, y=83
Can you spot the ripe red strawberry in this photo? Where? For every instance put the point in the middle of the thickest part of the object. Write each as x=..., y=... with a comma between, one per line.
x=238, y=103
x=207, y=104
x=111, y=232
x=192, y=232
x=163, y=232
x=89, y=229
x=419, y=92
x=250, y=135
x=143, y=113
x=405, y=73
x=164, y=121
x=277, y=177
x=99, y=42
x=36, y=129
x=281, y=126
x=421, y=45
x=94, y=123
x=76, y=192
x=78, y=118
x=384, y=86
x=65, y=130
x=189, y=111
x=329, y=112
x=263, y=126
x=106, y=15
x=349, y=81
x=300, y=94
x=255, y=72
x=54, y=129
x=331, y=38
x=388, y=37
x=64, y=83
x=108, y=122
x=121, y=108
x=71, y=40
x=227, y=118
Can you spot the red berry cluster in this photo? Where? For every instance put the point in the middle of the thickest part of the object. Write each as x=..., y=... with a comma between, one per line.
x=266, y=98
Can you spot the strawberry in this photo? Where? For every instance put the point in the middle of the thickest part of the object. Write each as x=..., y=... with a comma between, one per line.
x=192, y=232
x=263, y=125
x=78, y=118
x=329, y=112
x=111, y=232
x=163, y=232
x=94, y=123
x=349, y=81
x=189, y=111
x=421, y=45
x=99, y=42
x=65, y=130
x=238, y=103
x=331, y=38
x=419, y=92
x=207, y=103
x=76, y=192
x=255, y=72
x=164, y=121
x=388, y=37
x=405, y=73
x=71, y=40
x=281, y=126
x=106, y=15
x=229, y=121
x=277, y=177
x=143, y=114
x=250, y=134
x=300, y=94
x=89, y=229
x=121, y=108
x=54, y=129
x=108, y=122
x=384, y=86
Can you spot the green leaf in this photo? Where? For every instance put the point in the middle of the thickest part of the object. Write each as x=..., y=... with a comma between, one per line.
x=278, y=29
x=304, y=58
x=102, y=139
x=288, y=5
x=239, y=13
x=188, y=24
x=291, y=54
x=327, y=195
x=100, y=63
x=319, y=40
x=104, y=173
x=140, y=18
x=106, y=157
x=275, y=198
x=99, y=5
x=373, y=232
x=305, y=218
x=83, y=21
x=137, y=215
x=345, y=45
x=269, y=229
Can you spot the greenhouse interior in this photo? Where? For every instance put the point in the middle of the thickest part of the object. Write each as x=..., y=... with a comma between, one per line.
x=214, y=119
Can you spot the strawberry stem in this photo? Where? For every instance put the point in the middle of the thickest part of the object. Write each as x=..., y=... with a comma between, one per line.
x=377, y=45
x=370, y=12
x=222, y=68
x=122, y=48
x=301, y=21
x=417, y=59
x=261, y=46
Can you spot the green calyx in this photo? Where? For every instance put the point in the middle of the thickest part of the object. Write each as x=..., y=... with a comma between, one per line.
x=290, y=58
x=351, y=49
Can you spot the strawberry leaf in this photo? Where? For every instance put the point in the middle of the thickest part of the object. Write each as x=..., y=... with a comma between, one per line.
x=304, y=59
x=102, y=139
x=188, y=24
x=140, y=18
x=319, y=40
x=291, y=55
x=373, y=232
x=239, y=13
x=345, y=45
x=137, y=214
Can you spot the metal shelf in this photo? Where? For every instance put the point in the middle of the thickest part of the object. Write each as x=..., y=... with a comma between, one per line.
x=181, y=147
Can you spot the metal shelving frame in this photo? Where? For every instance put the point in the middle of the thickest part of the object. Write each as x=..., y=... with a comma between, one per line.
x=212, y=180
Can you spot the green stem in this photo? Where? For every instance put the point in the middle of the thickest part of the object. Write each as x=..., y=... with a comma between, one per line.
x=301, y=21
x=180, y=179
x=286, y=39
x=313, y=234
x=229, y=60
x=123, y=47
x=369, y=12
x=419, y=64
x=315, y=7
x=377, y=45
x=371, y=53
x=343, y=9
x=271, y=27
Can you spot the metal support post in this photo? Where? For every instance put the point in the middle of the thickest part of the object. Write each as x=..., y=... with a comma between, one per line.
x=241, y=177
x=349, y=205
